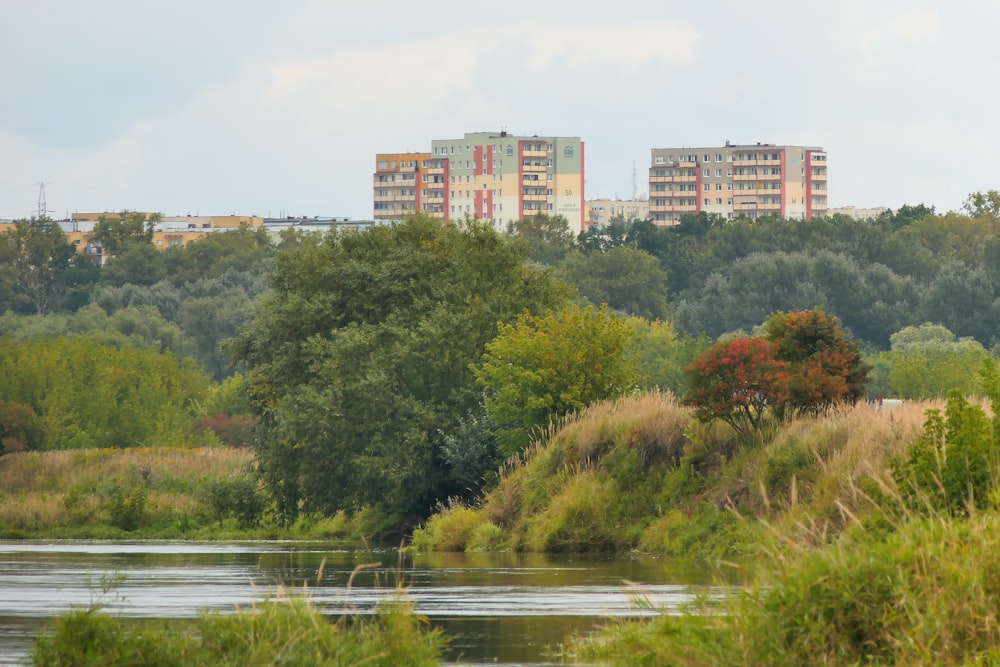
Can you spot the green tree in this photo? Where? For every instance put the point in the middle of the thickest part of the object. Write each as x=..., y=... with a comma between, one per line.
x=114, y=233
x=927, y=361
x=360, y=356
x=34, y=261
x=136, y=264
x=662, y=355
x=548, y=236
x=544, y=367
x=627, y=279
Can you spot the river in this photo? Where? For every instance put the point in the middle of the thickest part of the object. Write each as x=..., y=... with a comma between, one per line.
x=499, y=609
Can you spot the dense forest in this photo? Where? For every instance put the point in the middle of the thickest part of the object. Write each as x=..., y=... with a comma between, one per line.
x=397, y=367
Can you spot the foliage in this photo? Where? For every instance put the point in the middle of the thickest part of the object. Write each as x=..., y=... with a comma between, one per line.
x=932, y=582
x=953, y=467
x=627, y=279
x=276, y=632
x=235, y=497
x=360, y=357
x=927, y=361
x=544, y=367
x=824, y=366
x=737, y=381
x=804, y=363
x=88, y=394
x=469, y=451
x=19, y=428
x=662, y=355
x=548, y=237
x=114, y=233
x=38, y=268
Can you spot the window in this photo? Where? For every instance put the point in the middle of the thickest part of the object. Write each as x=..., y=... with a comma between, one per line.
x=706, y=158
x=718, y=187
x=382, y=164
x=718, y=201
x=706, y=172
x=718, y=157
x=659, y=160
x=707, y=187
x=718, y=173
x=708, y=201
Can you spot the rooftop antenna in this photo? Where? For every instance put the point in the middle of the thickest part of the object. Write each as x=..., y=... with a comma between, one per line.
x=635, y=184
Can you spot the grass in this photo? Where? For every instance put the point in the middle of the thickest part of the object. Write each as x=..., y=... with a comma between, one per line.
x=928, y=593
x=639, y=473
x=282, y=631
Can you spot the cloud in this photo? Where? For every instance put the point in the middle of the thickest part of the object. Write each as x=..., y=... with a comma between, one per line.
x=912, y=27
x=625, y=47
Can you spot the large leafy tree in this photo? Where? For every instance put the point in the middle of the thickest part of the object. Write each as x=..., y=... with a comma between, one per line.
x=114, y=233
x=626, y=279
x=548, y=236
x=359, y=358
x=544, y=367
x=35, y=261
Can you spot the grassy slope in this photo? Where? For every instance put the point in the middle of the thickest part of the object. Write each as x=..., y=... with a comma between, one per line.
x=640, y=473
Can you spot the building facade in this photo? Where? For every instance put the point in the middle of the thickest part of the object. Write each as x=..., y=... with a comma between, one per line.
x=492, y=176
x=737, y=181
x=602, y=211
x=397, y=184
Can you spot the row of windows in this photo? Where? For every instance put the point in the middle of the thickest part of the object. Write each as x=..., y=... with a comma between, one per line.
x=497, y=148
x=401, y=192
x=392, y=178
x=680, y=201
x=671, y=187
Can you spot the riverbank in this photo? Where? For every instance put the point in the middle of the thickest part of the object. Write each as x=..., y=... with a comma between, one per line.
x=166, y=493
x=642, y=474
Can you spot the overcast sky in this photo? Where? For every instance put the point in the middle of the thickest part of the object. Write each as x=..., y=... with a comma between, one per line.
x=267, y=108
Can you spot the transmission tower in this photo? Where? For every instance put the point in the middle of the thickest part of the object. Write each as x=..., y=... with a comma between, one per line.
x=42, y=208
x=635, y=183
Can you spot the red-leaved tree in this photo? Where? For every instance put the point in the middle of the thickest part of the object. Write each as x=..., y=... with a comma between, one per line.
x=804, y=363
x=736, y=381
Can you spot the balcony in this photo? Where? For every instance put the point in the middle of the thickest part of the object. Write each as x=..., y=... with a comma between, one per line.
x=534, y=154
x=534, y=168
x=820, y=176
x=535, y=197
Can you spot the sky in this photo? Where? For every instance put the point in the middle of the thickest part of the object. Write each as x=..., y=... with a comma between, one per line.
x=255, y=107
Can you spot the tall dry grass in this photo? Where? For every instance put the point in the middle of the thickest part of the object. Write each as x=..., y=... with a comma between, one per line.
x=72, y=492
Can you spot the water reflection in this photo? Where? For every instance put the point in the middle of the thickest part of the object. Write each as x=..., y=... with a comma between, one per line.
x=498, y=608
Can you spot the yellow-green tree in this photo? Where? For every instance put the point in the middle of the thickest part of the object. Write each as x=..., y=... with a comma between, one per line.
x=543, y=367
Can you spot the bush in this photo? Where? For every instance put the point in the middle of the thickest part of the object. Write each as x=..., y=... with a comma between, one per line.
x=235, y=497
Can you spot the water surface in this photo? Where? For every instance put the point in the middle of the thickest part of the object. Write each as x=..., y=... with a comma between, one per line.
x=499, y=609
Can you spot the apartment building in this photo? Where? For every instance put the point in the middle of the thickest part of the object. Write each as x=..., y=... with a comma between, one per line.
x=737, y=180
x=397, y=184
x=492, y=176
x=602, y=211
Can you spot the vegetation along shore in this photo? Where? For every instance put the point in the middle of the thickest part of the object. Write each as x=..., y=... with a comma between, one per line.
x=813, y=398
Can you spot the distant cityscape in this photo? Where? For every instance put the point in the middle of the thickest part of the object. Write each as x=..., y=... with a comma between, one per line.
x=501, y=177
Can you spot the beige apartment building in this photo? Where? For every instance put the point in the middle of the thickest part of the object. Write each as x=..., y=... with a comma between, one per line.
x=602, y=211
x=492, y=176
x=737, y=180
